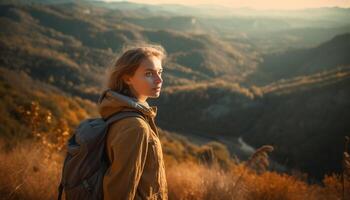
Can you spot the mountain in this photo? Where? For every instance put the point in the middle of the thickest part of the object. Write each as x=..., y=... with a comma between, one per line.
x=306, y=122
x=328, y=55
x=302, y=108
x=82, y=42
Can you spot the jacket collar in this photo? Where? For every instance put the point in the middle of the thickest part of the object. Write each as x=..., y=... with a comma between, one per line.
x=111, y=102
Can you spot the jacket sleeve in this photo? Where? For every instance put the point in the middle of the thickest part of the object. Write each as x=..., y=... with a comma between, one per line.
x=127, y=144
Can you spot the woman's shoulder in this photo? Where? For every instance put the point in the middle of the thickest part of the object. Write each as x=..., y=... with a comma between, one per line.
x=133, y=121
x=130, y=124
x=127, y=132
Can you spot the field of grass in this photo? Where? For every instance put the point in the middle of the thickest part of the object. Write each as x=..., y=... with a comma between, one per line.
x=31, y=171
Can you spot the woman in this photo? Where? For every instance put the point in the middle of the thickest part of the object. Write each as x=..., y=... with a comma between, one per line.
x=133, y=147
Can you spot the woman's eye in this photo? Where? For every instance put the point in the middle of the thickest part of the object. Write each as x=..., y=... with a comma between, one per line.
x=149, y=74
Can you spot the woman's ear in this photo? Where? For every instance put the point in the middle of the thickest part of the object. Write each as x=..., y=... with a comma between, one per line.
x=126, y=79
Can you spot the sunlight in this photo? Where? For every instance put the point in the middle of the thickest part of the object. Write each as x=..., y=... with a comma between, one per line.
x=255, y=4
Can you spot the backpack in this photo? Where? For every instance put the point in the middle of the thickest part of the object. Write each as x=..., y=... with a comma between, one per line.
x=86, y=160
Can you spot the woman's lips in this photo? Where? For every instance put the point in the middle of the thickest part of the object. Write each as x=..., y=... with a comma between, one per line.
x=156, y=88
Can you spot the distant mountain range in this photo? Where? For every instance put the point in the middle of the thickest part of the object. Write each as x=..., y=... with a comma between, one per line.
x=327, y=56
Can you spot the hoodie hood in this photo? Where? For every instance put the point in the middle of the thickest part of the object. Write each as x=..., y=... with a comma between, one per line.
x=111, y=102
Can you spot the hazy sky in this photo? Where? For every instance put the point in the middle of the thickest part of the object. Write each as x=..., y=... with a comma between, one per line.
x=257, y=4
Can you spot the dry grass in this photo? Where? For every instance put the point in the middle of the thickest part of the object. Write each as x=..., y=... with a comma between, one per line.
x=28, y=173
x=194, y=181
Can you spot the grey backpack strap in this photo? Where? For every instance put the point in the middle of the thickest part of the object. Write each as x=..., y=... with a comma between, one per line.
x=124, y=114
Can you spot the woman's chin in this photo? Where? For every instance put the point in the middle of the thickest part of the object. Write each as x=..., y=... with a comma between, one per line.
x=155, y=95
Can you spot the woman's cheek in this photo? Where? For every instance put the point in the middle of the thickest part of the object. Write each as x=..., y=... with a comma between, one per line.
x=149, y=80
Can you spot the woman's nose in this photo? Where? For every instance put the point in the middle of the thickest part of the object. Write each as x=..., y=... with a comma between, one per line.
x=158, y=79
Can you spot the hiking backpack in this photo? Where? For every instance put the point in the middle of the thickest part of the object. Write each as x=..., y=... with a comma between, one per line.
x=86, y=160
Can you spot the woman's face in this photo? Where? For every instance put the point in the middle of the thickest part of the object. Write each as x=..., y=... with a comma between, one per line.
x=146, y=81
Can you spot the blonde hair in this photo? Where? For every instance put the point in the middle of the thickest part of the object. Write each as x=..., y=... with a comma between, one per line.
x=128, y=62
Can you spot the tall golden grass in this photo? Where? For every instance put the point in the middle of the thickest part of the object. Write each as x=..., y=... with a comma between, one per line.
x=27, y=173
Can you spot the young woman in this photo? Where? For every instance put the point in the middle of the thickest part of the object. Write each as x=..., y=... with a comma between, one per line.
x=133, y=147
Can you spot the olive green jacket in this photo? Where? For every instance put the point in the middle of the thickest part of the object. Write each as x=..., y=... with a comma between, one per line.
x=134, y=150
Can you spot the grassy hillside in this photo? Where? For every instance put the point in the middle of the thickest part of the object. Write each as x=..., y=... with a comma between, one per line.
x=21, y=93
x=29, y=174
